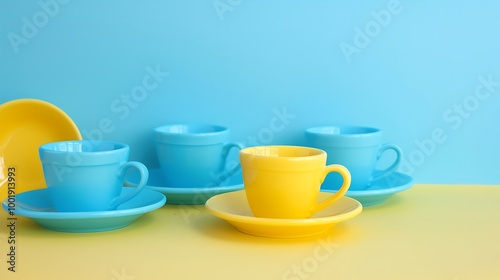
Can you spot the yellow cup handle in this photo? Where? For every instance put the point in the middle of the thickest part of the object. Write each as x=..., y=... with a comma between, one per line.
x=346, y=175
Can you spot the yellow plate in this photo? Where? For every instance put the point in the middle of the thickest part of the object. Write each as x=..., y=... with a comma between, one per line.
x=233, y=207
x=26, y=124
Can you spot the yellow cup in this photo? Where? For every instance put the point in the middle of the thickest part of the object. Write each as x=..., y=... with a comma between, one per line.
x=284, y=181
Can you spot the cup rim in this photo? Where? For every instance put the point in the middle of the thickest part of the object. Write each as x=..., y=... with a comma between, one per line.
x=50, y=155
x=191, y=134
x=318, y=152
x=359, y=130
x=356, y=136
x=118, y=145
x=303, y=163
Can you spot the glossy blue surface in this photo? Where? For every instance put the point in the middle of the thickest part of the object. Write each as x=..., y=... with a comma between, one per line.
x=37, y=205
x=359, y=149
x=186, y=195
x=428, y=76
x=195, y=155
x=88, y=176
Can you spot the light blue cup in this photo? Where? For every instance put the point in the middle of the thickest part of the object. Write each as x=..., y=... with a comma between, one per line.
x=88, y=175
x=357, y=148
x=195, y=155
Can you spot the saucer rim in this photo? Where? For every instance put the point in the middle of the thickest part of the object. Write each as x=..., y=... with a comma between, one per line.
x=186, y=196
x=408, y=183
x=172, y=190
x=355, y=207
x=160, y=200
x=182, y=190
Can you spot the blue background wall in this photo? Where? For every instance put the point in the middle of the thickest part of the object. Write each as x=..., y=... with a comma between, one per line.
x=427, y=73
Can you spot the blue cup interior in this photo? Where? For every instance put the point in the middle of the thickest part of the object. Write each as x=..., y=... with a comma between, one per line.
x=191, y=134
x=342, y=130
x=343, y=136
x=190, y=129
x=82, y=146
x=83, y=152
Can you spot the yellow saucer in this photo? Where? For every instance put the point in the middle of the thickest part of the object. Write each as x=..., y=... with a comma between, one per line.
x=26, y=124
x=233, y=207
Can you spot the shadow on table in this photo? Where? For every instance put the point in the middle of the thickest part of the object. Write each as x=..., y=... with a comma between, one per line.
x=216, y=228
x=29, y=228
x=221, y=230
x=393, y=202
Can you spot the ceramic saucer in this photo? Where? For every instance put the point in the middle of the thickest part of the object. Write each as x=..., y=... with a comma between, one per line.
x=26, y=125
x=380, y=190
x=38, y=206
x=233, y=207
x=185, y=195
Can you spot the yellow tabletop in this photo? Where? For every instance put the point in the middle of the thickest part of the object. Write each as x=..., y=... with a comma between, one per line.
x=442, y=232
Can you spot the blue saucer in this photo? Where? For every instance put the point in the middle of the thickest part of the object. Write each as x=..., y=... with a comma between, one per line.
x=37, y=205
x=185, y=195
x=380, y=190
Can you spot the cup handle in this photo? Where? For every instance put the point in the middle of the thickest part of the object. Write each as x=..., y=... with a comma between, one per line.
x=224, y=175
x=138, y=188
x=394, y=165
x=346, y=175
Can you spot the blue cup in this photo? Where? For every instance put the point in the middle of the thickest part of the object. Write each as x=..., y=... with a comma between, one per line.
x=88, y=175
x=195, y=155
x=357, y=148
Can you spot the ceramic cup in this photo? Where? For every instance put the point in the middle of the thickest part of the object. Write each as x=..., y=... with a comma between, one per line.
x=357, y=148
x=88, y=175
x=284, y=181
x=194, y=155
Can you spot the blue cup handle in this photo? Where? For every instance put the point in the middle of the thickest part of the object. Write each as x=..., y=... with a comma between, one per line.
x=143, y=170
x=225, y=174
x=393, y=167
